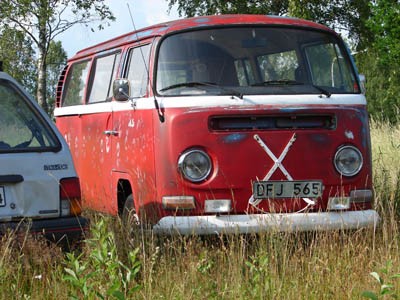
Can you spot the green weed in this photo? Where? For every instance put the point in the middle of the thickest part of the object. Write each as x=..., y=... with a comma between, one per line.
x=386, y=288
x=98, y=272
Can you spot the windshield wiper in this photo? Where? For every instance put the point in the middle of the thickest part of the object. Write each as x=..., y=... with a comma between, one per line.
x=200, y=83
x=322, y=90
x=278, y=82
x=292, y=82
x=183, y=84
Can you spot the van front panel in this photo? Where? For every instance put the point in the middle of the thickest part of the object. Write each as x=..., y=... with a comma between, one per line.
x=245, y=143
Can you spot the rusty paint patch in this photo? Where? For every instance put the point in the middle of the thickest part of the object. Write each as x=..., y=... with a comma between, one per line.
x=202, y=20
x=320, y=138
x=234, y=138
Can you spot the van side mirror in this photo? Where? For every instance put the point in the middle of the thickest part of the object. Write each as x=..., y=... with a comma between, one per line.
x=362, y=83
x=121, y=89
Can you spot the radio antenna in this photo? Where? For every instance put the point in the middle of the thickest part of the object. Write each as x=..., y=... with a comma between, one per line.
x=161, y=116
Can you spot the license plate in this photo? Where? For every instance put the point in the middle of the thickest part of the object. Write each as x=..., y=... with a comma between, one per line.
x=286, y=189
x=2, y=196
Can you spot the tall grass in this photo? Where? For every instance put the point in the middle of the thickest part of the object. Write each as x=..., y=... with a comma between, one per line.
x=386, y=167
x=115, y=263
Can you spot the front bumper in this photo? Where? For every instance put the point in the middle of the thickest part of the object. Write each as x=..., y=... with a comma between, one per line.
x=255, y=223
x=61, y=230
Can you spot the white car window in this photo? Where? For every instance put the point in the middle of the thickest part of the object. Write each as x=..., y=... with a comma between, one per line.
x=21, y=128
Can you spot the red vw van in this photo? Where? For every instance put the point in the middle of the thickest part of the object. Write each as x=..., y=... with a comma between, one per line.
x=230, y=123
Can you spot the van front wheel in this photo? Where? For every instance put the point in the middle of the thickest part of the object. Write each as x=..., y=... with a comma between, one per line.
x=130, y=218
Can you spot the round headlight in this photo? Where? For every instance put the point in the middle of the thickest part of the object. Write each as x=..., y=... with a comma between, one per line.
x=195, y=165
x=348, y=160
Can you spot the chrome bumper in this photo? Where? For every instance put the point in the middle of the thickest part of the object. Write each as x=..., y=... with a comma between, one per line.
x=289, y=222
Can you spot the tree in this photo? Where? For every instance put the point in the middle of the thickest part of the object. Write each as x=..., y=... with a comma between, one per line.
x=342, y=15
x=385, y=25
x=347, y=16
x=43, y=20
x=381, y=62
x=55, y=61
x=382, y=85
x=212, y=7
x=17, y=54
x=18, y=57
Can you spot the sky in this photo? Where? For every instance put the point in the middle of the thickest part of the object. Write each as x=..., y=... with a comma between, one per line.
x=144, y=13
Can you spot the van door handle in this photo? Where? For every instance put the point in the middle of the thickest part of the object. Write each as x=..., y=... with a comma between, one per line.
x=111, y=132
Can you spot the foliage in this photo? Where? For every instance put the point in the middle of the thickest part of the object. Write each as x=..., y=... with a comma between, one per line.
x=381, y=61
x=382, y=85
x=259, y=279
x=342, y=15
x=101, y=274
x=212, y=7
x=384, y=22
x=385, y=289
x=55, y=60
x=17, y=54
x=346, y=16
x=386, y=163
x=43, y=20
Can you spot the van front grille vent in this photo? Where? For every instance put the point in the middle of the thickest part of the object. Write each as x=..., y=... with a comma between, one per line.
x=262, y=122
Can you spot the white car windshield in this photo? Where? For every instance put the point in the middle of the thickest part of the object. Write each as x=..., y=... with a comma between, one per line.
x=254, y=60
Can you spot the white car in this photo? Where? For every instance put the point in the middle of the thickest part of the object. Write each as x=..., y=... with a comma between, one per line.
x=39, y=188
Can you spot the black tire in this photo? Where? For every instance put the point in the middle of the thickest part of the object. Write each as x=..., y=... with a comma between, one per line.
x=129, y=216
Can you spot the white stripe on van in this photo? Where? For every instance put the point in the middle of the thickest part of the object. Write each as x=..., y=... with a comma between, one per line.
x=212, y=101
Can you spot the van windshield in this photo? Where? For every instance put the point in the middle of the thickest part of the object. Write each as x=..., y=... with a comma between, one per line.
x=253, y=60
x=22, y=129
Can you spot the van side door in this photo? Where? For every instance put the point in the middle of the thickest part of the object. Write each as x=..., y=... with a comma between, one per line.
x=133, y=119
x=97, y=132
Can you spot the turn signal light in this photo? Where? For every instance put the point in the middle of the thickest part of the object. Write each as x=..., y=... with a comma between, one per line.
x=357, y=196
x=70, y=196
x=338, y=203
x=178, y=202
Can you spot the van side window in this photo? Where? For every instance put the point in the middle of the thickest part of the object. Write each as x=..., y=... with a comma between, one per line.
x=103, y=71
x=137, y=72
x=75, y=84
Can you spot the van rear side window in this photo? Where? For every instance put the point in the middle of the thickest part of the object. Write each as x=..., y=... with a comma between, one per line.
x=103, y=71
x=75, y=85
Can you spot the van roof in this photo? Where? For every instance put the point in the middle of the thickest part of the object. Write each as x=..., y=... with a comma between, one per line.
x=195, y=22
